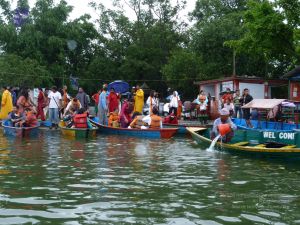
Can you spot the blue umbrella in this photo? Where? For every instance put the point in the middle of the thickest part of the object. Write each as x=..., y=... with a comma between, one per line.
x=119, y=86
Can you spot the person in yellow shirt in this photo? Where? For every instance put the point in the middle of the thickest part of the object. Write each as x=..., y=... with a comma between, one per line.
x=6, y=103
x=138, y=100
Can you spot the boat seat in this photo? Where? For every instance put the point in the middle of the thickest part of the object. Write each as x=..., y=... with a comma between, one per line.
x=289, y=146
x=243, y=143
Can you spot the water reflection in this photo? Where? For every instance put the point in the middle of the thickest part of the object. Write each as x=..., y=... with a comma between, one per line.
x=122, y=180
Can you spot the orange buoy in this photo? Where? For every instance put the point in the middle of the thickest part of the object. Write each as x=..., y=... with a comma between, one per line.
x=224, y=129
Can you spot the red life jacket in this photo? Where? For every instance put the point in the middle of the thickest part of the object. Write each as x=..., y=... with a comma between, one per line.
x=80, y=120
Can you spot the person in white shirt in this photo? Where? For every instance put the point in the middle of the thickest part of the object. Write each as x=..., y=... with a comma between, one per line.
x=54, y=106
x=174, y=103
x=151, y=102
x=229, y=106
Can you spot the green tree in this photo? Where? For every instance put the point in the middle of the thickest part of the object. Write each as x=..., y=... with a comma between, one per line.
x=182, y=69
x=16, y=71
x=267, y=36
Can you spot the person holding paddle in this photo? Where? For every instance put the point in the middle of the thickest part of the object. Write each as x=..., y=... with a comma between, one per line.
x=54, y=106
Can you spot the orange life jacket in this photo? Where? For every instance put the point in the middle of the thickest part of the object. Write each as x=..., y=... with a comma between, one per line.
x=155, y=122
x=80, y=120
x=113, y=117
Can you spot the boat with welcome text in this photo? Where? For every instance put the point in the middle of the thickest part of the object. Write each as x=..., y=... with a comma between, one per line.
x=143, y=133
x=20, y=132
x=254, y=142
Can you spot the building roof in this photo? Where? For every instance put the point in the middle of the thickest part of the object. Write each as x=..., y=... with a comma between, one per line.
x=263, y=103
x=252, y=79
x=295, y=73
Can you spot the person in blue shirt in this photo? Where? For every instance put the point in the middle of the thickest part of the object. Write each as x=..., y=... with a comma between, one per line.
x=102, y=107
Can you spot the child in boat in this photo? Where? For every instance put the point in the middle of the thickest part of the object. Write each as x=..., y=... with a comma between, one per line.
x=30, y=119
x=114, y=119
x=16, y=117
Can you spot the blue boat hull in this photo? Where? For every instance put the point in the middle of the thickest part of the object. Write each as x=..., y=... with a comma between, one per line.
x=20, y=132
x=147, y=133
x=265, y=125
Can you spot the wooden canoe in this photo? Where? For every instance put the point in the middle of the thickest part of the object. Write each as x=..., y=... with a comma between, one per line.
x=77, y=132
x=20, y=132
x=201, y=136
x=143, y=133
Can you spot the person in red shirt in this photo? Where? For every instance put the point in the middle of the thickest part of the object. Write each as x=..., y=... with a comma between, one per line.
x=227, y=96
x=113, y=100
x=95, y=97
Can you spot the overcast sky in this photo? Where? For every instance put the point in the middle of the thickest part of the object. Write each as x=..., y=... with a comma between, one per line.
x=81, y=7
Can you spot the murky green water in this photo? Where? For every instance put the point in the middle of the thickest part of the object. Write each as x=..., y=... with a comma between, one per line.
x=121, y=180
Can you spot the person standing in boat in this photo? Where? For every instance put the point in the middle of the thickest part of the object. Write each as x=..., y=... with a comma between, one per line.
x=246, y=98
x=223, y=119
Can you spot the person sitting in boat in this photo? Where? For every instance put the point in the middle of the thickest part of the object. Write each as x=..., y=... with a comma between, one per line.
x=171, y=119
x=16, y=116
x=80, y=120
x=154, y=121
x=223, y=119
x=30, y=118
x=137, y=121
x=72, y=107
x=114, y=119
x=125, y=115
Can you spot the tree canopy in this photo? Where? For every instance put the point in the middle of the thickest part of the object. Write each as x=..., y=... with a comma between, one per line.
x=157, y=47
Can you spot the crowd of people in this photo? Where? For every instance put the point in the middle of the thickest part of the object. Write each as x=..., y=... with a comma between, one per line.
x=112, y=108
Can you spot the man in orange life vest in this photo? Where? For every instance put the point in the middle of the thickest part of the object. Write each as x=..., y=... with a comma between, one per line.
x=154, y=121
x=81, y=119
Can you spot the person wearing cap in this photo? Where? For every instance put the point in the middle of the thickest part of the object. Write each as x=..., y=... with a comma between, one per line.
x=223, y=119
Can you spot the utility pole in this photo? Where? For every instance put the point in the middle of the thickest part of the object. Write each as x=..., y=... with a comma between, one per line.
x=233, y=64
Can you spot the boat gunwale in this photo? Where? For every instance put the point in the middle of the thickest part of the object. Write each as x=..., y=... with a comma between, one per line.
x=135, y=129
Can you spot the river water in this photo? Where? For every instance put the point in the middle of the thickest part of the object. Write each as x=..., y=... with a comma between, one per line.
x=121, y=180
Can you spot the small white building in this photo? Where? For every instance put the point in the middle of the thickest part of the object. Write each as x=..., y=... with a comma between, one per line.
x=258, y=87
